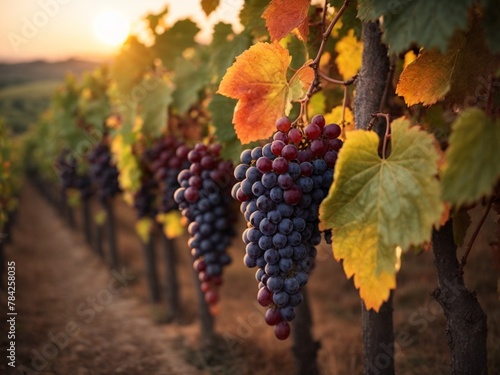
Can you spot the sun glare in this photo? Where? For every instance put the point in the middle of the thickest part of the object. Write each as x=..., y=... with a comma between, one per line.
x=111, y=27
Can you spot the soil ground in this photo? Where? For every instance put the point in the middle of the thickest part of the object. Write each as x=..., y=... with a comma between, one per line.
x=105, y=324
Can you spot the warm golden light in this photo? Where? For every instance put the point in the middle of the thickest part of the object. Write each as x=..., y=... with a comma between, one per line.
x=111, y=27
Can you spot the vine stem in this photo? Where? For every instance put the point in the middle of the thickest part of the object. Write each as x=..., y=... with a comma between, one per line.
x=344, y=104
x=468, y=249
x=328, y=31
x=347, y=82
x=387, y=135
x=315, y=63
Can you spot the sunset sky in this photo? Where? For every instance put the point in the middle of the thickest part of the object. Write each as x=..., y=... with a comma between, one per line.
x=60, y=29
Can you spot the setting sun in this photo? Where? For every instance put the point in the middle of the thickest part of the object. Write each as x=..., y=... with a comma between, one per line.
x=111, y=27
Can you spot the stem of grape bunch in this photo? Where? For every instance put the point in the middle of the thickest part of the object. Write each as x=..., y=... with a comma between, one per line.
x=318, y=75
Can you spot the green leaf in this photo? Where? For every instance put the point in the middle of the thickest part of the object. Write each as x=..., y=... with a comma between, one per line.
x=429, y=24
x=158, y=96
x=298, y=51
x=472, y=162
x=225, y=46
x=190, y=78
x=461, y=222
x=366, y=10
x=222, y=108
x=170, y=45
x=437, y=124
x=155, y=20
x=491, y=19
x=250, y=16
x=375, y=206
x=130, y=64
x=209, y=6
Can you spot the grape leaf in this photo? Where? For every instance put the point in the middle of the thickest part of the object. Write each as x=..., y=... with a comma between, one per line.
x=427, y=23
x=258, y=80
x=490, y=21
x=130, y=64
x=300, y=81
x=130, y=173
x=143, y=228
x=349, y=51
x=209, y=6
x=170, y=45
x=221, y=108
x=297, y=49
x=100, y=217
x=457, y=76
x=154, y=104
x=472, y=163
x=427, y=79
x=367, y=11
x=225, y=46
x=375, y=206
x=250, y=16
x=189, y=79
x=283, y=16
x=317, y=104
x=155, y=20
x=171, y=223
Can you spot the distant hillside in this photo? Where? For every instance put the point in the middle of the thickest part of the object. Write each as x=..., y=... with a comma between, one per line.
x=13, y=74
x=26, y=88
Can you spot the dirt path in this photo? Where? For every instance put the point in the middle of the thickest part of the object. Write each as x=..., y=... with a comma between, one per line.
x=74, y=316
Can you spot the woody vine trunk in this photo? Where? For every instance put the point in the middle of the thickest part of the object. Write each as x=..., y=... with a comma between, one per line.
x=466, y=328
x=378, y=332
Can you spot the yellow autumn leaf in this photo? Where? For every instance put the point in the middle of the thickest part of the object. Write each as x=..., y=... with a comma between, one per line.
x=427, y=79
x=143, y=228
x=171, y=223
x=349, y=51
x=100, y=217
x=378, y=207
x=130, y=173
x=409, y=58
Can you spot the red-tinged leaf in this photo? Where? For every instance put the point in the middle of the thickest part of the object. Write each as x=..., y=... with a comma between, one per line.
x=282, y=16
x=301, y=81
x=258, y=80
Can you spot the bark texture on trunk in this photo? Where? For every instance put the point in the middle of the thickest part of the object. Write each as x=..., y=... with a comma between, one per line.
x=305, y=348
x=378, y=331
x=466, y=327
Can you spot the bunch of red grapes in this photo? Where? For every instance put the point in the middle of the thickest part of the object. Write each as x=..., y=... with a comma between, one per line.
x=281, y=186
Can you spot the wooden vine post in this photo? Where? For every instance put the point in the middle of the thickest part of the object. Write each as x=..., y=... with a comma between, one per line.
x=151, y=270
x=111, y=233
x=173, y=300
x=86, y=219
x=206, y=319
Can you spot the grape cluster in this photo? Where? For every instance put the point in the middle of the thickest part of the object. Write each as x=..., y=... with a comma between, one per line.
x=84, y=185
x=205, y=201
x=166, y=159
x=280, y=187
x=66, y=166
x=145, y=198
x=103, y=172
